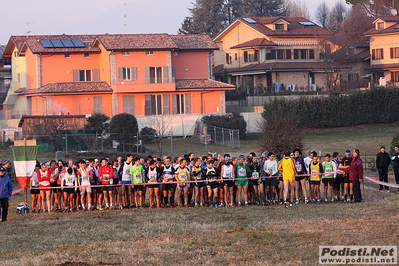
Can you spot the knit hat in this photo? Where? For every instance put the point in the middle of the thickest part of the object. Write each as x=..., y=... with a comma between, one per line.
x=382, y=147
x=2, y=169
x=357, y=151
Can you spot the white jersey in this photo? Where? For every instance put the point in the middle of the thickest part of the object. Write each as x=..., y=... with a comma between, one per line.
x=53, y=177
x=44, y=183
x=270, y=166
x=69, y=180
x=84, y=176
x=307, y=162
x=126, y=171
x=228, y=171
x=35, y=180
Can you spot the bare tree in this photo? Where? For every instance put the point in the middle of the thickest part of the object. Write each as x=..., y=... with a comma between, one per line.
x=373, y=8
x=323, y=14
x=296, y=8
x=337, y=16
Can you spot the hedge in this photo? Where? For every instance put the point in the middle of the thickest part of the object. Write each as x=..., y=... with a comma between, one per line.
x=230, y=121
x=370, y=107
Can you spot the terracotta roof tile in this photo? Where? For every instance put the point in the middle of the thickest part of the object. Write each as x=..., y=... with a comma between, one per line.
x=194, y=42
x=70, y=87
x=392, y=29
x=201, y=84
x=362, y=56
x=34, y=44
x=294, y=28
x=137, y=42
x=382, y=67
x=258, y=42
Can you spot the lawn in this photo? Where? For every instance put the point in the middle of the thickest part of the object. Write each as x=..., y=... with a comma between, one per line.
x=253, y=235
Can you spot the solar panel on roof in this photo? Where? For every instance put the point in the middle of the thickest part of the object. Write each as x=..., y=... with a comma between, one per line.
x=47, y=44
x=250, y=20
x=307, y=23
x=57, y=43
x=67, y=43
x=78, y=43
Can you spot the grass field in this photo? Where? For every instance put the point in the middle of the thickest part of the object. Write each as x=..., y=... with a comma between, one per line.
x=251, y=235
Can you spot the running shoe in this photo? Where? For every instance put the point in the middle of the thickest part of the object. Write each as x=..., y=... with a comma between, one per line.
x=387, y=191
x=290, y=204
x=306, y=201
x=325, y=200
x=313, y=201
x=239, y=204
x=285, y=204
x=297, y=201
x=318, y=201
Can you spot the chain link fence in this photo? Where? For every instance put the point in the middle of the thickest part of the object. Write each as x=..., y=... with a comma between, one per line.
x=211, y=135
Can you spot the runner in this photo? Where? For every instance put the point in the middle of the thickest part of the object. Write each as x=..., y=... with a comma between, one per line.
x=328, y=179
x=105, y=175
x=53, y=184
x=43, y=175
x=69, y=187
x=287, y=166
x=137, y=173
x=300, y=178
x=198, y=186
x=270, y=182
x=315, y=170
x=168, y=172
x=240, y=172
x=213, y=186
x=182, y=175
x=153, y=176
x=227, y=173
x=395, y=160
x=61, y=171
x=126, y=181
x=34, y=190
x=344, y=165
x=338, y=178
x=85, y=174
x=255, y=178
x=116, y=198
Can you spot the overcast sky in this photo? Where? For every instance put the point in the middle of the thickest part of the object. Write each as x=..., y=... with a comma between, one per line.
x=98, y=16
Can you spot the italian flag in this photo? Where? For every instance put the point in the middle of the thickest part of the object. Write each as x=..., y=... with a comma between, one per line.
x=24, y=163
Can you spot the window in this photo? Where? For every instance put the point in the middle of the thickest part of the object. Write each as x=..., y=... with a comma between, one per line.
x=97, y=104
x=87, y=55
x=153, y=104
x=279, y=26
x=154, y=75
x=67, y=55
x=178, y=104
x=280, y=54
x=394, y=52
x=176, y=53
x=228, y=59
x=149, y=52
x=235, y=56
x=251, y=56
x=127, y=73
x=311, y=53
x=304, y=54
x=85, y=75
x=380, y=25
x=377, y=54
x=125, y=53
x=128, y=104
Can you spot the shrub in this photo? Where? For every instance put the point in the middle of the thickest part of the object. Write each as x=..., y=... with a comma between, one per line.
x=125, y=127
x=97, y=122
x=369, y=107
x=229, y=121
x=148, y=133
x=395, y=141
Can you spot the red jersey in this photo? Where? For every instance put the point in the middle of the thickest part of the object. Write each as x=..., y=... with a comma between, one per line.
x=44, y=178
x=105, y=173
x=53, y=173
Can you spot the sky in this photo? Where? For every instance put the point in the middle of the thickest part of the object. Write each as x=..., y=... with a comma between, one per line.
x=98, y=16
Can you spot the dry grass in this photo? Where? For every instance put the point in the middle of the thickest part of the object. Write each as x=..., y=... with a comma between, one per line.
x=252, y=235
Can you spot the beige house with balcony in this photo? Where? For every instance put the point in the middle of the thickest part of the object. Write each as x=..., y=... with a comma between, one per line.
x=384, y=50
x=264, y=54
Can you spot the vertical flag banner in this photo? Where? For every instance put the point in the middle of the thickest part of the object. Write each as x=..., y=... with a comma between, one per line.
x=24, y=163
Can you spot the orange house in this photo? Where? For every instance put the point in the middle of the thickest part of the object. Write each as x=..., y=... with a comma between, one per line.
x=141, y=74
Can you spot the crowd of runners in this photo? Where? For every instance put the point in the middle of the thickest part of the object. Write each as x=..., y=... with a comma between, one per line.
x=208, y=181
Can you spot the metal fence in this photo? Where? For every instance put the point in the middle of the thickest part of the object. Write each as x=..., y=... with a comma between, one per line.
x=211, y=135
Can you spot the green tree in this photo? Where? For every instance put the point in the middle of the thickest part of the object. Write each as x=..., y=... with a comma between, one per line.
x=373, y=8
x=266, y=8
x=229, y=121
x=125, y=128
x=97, y=122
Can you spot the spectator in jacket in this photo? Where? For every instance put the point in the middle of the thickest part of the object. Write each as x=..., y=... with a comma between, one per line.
x=382, y=162
x=5, y=193
x=356, y=175
x=395, y=160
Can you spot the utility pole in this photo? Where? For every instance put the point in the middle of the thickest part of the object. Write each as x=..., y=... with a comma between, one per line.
x=124, y=15
x=27, y=31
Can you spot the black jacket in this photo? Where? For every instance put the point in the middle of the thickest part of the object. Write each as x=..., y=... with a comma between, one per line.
x=383, y=160
x=395, y=160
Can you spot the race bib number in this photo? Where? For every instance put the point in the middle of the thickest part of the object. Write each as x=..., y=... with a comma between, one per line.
x=35, y=183
x=152, y=177
x=106, y=177
x=314, y=173
x=329, y=170
x=70, y=181
x=299, y=167
x=270, y=170
x=85, y=178
x=52, y=177
x=127, y=172
x=183, y=176
x=137, y=176
x=242, y=172
x=255, y=175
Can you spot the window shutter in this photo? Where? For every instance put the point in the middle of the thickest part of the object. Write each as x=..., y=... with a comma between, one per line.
x=256, y=55
x=373, y=54
x=134, y=73
x=174, y=102
x=125, y=103
x=391, y=52
x=165, y=74
x=148, y=105
x=96, y=74
x=311, y=54
x=97, y=104
x=174, y=72
x=76, y=75
x=147, y=74
x=392, y=76
x=382, y=53
x=188, y=103
x=120, y=73
x=166, y=104
x=287, y=54
x=245, y=56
